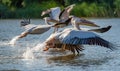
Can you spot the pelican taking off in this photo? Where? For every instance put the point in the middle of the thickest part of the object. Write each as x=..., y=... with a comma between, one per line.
x=33, y=29
x=72, y=40
x=56, y=15
x=60, y=17
x=53, y=13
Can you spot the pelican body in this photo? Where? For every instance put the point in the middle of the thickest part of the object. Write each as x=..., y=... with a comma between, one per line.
x=33, y=29
x=70, y=39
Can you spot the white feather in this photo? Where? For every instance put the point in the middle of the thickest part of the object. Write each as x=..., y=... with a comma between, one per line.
x=54, y=14
x=69, y=34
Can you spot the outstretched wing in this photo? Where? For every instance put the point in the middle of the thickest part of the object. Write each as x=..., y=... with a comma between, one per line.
x=64, y=15
x=83, y=37
x=39, y=29
x=55, y=12
x=101, y=30
x=82, y=21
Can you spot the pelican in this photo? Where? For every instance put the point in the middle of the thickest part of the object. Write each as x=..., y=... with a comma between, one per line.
x=62, y=18
x=24, y=22
x=53, y=13
x=36, y=29
x=40, y=29
x=33, y=29
x=76, y=22
x=56, y=15
x=72, y=40
x=64, y=15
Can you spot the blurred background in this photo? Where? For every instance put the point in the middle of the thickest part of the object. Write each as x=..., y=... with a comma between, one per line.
x=33, y=8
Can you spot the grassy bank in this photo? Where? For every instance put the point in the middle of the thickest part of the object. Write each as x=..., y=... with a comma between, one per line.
x=82, y=9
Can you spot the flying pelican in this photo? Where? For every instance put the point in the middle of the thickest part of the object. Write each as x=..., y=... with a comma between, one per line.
x=33, y=29
x=76, y=22
x=56, y=15
x=37, y=29
x=40, y=29
x=53, y=13
x=65, y=13
x=72, y=40
x=62, y=18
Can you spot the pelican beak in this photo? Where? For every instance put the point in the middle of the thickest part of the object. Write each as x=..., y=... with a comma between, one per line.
x=73, y=5
x=45, y=49
x=42, y=14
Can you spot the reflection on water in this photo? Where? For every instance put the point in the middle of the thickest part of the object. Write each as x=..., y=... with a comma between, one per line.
x=27, y=54
x=76, y=60
x=64, y=58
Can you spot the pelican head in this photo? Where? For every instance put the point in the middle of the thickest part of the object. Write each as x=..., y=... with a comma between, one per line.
x=71, y=16
x=25, y=22
x=72, y=5
x=45, y=12
x=69, y=8
x=49, y=44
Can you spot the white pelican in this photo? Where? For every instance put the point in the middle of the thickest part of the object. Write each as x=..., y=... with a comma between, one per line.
x=37, y=29
x=65, y=13
x=53, y=13
x=76, y=21
x=56, y=15
x=73, y=40
x=33, y=29
x=62, y=18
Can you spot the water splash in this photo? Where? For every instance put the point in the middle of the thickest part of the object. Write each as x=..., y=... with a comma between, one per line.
x=38, y=47
x=13, y=41
x=29, y=54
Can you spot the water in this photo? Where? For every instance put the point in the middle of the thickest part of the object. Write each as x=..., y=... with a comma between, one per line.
x=27, y=54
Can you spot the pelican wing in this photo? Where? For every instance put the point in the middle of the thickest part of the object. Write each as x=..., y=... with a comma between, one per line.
x=29, y=26
x=54, y=21
x=88, y=24
x=39, y=29
x=83, y=37
x=101, y=30
x=82, y=21
x=64, y=15
x=54, y=14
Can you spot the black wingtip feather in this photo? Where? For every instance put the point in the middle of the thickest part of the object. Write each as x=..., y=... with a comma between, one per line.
x=105, y=43
x=91, y=41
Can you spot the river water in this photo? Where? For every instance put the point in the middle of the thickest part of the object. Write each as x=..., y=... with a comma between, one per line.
x=19, y=57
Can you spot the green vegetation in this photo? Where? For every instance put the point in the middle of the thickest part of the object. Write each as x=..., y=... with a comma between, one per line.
x=83, y=8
